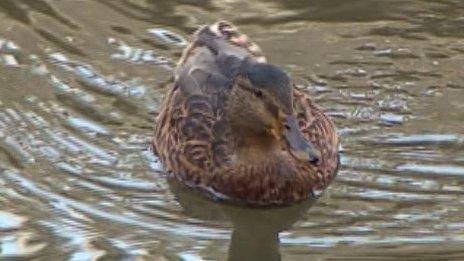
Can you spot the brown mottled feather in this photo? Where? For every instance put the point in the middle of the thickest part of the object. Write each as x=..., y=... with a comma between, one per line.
x=193, y=139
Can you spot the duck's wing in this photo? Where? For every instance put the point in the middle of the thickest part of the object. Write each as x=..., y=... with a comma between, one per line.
x=320, y=130
x=213, y=59
x=191, y=133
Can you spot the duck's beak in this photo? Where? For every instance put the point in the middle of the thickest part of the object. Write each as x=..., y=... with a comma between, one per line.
x=301, y=148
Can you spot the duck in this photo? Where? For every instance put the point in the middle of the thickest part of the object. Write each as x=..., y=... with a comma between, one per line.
x=237, y=128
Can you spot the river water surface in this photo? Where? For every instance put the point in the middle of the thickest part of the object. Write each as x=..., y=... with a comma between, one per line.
x=81, y=81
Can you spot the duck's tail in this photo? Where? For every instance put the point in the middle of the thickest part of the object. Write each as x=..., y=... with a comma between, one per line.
x=223, y=36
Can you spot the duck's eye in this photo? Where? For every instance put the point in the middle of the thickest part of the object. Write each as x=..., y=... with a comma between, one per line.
x=287, y=127
x=258, y=93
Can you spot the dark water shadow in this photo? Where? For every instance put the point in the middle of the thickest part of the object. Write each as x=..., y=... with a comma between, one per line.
x=159, y=12
x=255, y=231
x=442, y=18
x=20, y=10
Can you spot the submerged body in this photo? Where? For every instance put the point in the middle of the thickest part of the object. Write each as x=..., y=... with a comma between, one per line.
x=234, y=125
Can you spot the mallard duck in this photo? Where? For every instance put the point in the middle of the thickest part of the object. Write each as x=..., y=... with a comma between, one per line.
x=235, y=126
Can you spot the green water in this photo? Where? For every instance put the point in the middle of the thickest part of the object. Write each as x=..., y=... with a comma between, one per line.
x=81, y=81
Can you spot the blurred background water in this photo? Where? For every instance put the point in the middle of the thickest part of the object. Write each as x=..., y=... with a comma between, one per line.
x=80, y=83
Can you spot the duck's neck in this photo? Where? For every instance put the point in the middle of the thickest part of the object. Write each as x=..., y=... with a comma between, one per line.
x=256, y=149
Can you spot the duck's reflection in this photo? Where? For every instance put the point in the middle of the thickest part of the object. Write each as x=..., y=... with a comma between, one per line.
x=255, y=233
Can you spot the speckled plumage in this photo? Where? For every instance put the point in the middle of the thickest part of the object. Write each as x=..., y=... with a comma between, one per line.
x=196, y=143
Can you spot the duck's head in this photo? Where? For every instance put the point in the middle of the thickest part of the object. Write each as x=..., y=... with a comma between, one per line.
x=261, y=113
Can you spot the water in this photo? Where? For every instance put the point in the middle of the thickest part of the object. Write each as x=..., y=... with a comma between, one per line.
x=81, y=82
